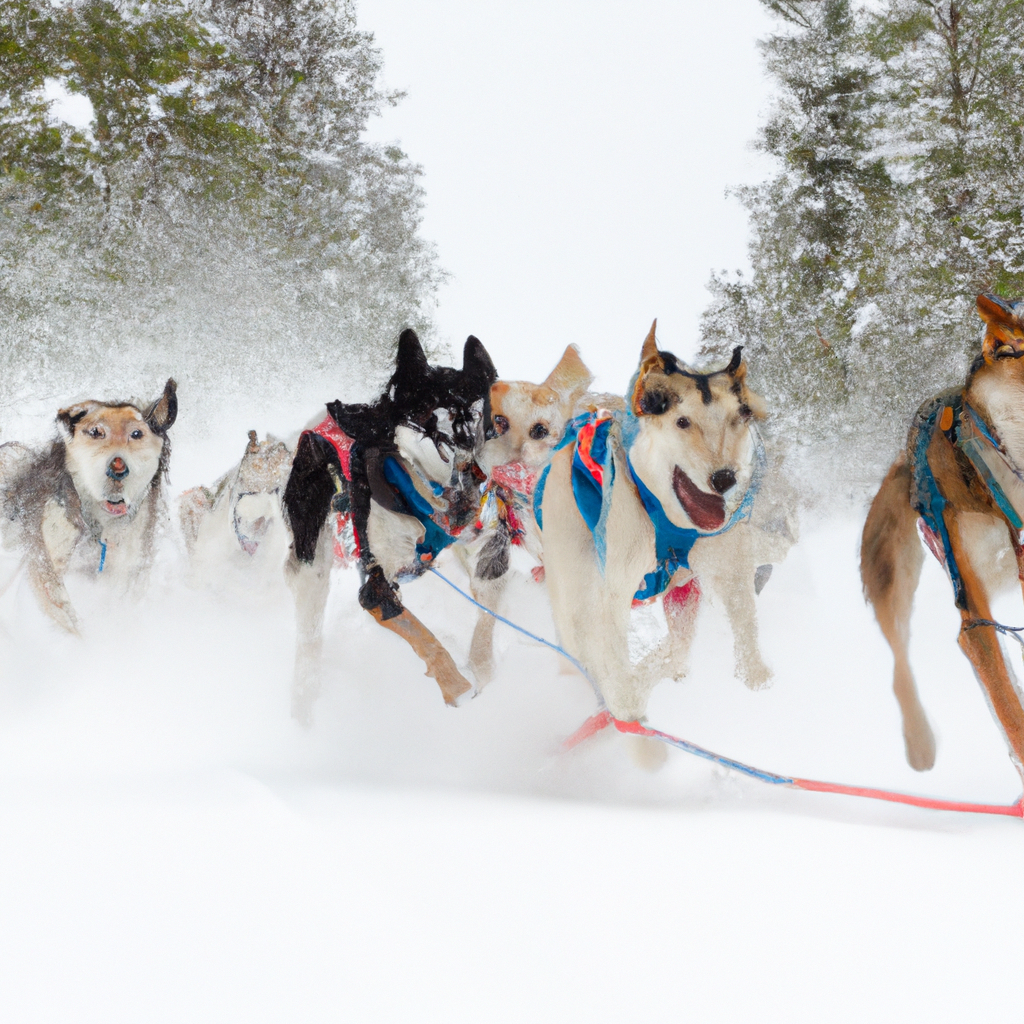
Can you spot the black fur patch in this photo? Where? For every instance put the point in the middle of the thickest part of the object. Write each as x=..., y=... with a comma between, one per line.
x=494, y=559
x=309, y=493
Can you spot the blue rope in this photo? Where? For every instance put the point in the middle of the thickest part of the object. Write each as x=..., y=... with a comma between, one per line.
x=519, y=629
x=103, y=555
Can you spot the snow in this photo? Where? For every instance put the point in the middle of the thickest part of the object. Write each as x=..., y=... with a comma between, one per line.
x=174, y=848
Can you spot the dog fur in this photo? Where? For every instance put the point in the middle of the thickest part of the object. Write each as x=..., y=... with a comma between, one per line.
x=693, y=448
x=523, y=424
x=427, y=420
x=984, y=543
x=91, y=501
x=241, y=513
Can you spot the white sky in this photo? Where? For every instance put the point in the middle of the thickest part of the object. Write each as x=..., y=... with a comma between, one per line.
x=577, y=157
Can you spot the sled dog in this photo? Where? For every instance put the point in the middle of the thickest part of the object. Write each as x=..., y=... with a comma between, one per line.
x=241, y=511
x=523, y=422
x=92, y=501
x=961, y=481
x=626, y=507
x=403, y=469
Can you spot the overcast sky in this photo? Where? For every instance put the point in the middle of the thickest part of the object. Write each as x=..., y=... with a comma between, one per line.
x=577, y=157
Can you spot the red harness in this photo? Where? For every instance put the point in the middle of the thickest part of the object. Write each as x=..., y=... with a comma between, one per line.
x=346, y=542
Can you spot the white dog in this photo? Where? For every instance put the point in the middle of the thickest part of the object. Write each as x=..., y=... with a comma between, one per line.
x=639, y=504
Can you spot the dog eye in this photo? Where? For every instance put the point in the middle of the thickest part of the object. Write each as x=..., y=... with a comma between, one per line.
x=96, y=432
x=500, y=425
x=683, y=422
x=538, y=431
x=135, y=435
x=745, y=411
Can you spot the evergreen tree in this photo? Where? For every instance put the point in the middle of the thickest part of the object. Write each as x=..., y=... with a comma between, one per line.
x=898, y=134
x=221, y=218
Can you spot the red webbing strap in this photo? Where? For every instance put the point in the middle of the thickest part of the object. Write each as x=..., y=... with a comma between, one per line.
x=596, y=723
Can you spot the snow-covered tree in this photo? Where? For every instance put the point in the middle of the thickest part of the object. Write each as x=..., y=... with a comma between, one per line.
x=898, y=133
x=221, y=216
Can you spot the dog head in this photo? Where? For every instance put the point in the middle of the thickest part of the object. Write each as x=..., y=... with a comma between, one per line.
x=1004, y=328
x=256, y=500
x=116, y=451
x=439, y=403
x=693, y=446
x=524, y=422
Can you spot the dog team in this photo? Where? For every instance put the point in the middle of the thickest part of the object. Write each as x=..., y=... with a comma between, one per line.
x=619, y=500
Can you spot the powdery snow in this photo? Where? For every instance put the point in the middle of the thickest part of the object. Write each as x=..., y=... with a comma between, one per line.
x=175, y=848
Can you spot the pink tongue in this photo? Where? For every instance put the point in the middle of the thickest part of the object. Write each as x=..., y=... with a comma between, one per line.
x=116, y=508
x=706, y=510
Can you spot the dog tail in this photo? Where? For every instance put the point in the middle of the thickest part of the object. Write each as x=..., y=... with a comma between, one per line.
x=890, y=552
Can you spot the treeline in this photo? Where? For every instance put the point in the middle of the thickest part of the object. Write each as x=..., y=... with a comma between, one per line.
x=221, y=217
x=898, y=132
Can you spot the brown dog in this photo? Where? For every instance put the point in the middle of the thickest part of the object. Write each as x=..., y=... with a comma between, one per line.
x=960, y=476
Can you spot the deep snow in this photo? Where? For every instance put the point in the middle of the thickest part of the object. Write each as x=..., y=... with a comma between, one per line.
x=175, y=848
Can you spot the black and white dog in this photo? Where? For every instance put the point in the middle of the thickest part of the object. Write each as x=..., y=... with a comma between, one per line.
x=403, y=469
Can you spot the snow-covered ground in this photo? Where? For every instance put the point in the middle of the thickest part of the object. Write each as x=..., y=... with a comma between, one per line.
x=173, y=847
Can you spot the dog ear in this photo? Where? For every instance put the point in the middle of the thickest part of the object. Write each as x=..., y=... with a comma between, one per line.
x=570, y=375
x=164, y=411
x=477, y=368
x=1004, y=333
x=410, y=360
x=68, y=419
x=737, y=368
x=650, y=359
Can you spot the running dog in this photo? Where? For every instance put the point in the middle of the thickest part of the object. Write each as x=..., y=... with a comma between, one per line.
x=403, y=469
x=242, y=510
x=961, y=480
x=523, y=424
x=626, y=508
x=92, y=501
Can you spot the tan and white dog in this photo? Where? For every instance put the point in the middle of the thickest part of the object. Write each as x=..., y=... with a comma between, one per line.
x=523, y=422
x=92, y=501
x=675, y=473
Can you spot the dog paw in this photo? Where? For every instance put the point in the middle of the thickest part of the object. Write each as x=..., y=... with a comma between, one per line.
x=646, y=753
x=756, y=676
x=920, y=746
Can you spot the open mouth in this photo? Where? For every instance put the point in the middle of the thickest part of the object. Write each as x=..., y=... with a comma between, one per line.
x=116, y=508
x=706, y=511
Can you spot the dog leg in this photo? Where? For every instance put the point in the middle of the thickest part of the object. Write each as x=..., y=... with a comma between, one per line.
x=890, y=568
x=981, y=645
x=310, y=584
x=48, y=563
x=439, y=662
x=726, y=565
x=682, y=605
x=51, y=594
x=487, y=584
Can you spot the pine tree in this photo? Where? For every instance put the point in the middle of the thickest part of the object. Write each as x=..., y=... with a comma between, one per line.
x=898, y=131
x=222, y=218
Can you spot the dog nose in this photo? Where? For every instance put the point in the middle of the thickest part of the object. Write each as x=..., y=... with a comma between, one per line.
x=118, y=468
x=723, y=480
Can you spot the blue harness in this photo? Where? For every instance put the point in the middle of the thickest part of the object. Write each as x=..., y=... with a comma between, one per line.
x=968, y=433
x=593, y=473
x=435, y=538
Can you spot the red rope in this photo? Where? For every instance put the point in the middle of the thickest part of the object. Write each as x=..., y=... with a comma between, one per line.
x=596, y=723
